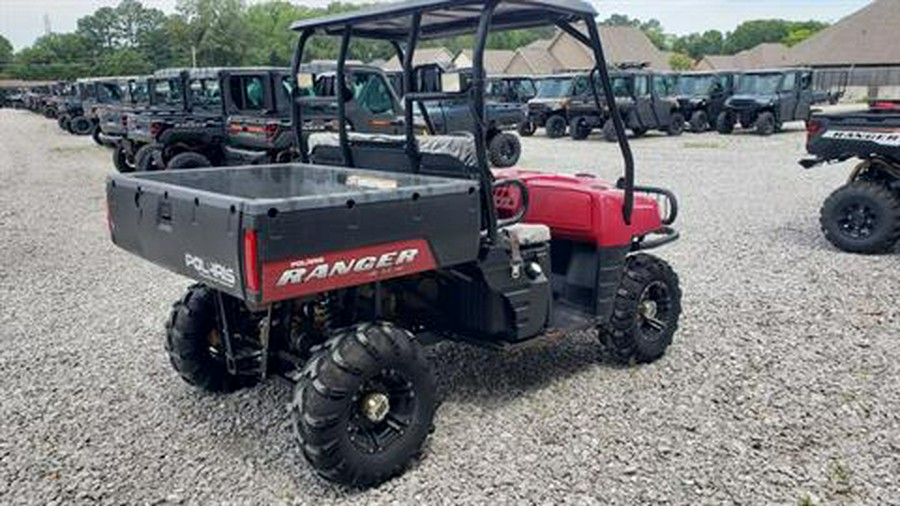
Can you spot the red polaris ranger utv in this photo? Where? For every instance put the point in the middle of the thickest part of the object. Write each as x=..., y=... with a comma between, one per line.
x=334, y=271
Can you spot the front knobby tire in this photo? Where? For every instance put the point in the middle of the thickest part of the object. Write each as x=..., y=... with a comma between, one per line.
x=364, y=405
x=646, y=311
x=862, y=217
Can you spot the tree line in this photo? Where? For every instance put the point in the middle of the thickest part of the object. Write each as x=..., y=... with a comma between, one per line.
x=131, y=39
x=689, y=48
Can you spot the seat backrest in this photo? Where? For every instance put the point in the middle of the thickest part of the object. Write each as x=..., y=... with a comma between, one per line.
x=443, y=155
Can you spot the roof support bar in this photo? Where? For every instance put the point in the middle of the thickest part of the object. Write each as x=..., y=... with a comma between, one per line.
x=340, y=80
x=477, y=91
x=410, y=86
x=296, y=114
x=601, y=67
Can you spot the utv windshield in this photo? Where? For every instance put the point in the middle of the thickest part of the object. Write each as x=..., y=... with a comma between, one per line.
x=555, y=88
x=621, y=86
x=759, y=84
x=694, y=86
x=140, y=92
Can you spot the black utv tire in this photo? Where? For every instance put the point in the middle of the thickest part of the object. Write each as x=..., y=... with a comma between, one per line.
x=95, y=135
x=188, y=160
x=527, y=128
x=862, y=217
x=63, y=122
x=765, y=124
x=146, y=158
x=504, y=150
x=699, y=122
x=122, y=159
x=364, y=405
x=191, y=341
x=555, y=127
x=676, y=126
x=50, y=112
x=646, y=312
x=579, y=128
x=725, y=123
x=81, y=126
x=609, y=131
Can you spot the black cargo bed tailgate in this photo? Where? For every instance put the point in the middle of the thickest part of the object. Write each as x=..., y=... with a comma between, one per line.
x=195, y=222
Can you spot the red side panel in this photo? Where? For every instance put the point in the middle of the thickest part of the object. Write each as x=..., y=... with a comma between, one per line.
x=580, y=208
x=292, y=278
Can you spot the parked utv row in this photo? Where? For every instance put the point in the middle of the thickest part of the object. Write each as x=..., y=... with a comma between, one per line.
x=670, y=103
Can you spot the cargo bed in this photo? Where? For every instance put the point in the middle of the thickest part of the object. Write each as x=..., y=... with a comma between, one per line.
x=273, y=232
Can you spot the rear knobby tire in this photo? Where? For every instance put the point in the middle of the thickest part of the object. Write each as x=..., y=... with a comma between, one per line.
x=646, y=311
x=338, y=436
x=862, y=217
x=699, y=122
x=676, y=125
x=193, y=339
x=725, y=123
x=555, y=127
x=146, y=158
x=122, y=159
x=579, y=128
x=81, y=126
x=527, y=128
x=609, y=131
x=765, y=124
x=505, y=149
x=188, y=160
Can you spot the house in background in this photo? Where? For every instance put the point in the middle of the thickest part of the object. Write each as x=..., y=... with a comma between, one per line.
x=860, y=52
x=439, y=55
x=495, y=60
x=763, y=56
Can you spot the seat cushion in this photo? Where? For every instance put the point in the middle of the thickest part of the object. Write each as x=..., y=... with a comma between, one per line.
x=461, y=147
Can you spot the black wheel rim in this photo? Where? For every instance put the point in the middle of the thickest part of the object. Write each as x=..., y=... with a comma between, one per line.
x=507, y=149
x=382, y=411
x=654, y=311
x=857, y=220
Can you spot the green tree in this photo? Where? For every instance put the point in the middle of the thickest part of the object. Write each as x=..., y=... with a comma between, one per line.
x=6, y=51
x=679, y=61
x=753, y=33
x=699, y=45
x=216, y=29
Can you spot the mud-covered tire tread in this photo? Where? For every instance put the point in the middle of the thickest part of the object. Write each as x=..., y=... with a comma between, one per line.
x=324, y=393
x=619, y=334
x=886, y=199
x=191, y=320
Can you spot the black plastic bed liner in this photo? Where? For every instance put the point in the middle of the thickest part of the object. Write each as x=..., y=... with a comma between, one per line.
x=196, y=222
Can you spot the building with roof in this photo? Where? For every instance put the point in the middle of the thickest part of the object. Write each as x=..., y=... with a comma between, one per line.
x=495, y=60
x=440, y=55
x=533, y=61
x=860, y=52
x=763, y=56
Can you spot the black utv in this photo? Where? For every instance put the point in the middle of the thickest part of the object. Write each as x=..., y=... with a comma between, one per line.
x=78, y=113
x=644, y=99
x=702, y=95
x=549, y=107
x=111, y=117
x=765, y=100
x=187, y=129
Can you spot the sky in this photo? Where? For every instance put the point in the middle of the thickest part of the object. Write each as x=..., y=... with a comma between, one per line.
x=22, y=21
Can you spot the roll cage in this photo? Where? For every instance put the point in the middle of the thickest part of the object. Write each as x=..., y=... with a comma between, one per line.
x=405, y=24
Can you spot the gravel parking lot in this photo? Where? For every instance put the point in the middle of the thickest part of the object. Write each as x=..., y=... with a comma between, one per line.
x=783, y=385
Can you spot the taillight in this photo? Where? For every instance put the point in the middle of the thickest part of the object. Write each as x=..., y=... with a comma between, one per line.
x=271, y=131
x=156, y=127
x=813, y=128
x=885, y=106
x=251, y=268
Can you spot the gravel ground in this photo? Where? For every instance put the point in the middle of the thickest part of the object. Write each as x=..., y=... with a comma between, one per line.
x=783, y=385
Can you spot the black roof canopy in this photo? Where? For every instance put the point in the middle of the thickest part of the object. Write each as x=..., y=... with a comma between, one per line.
x=445, y=18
